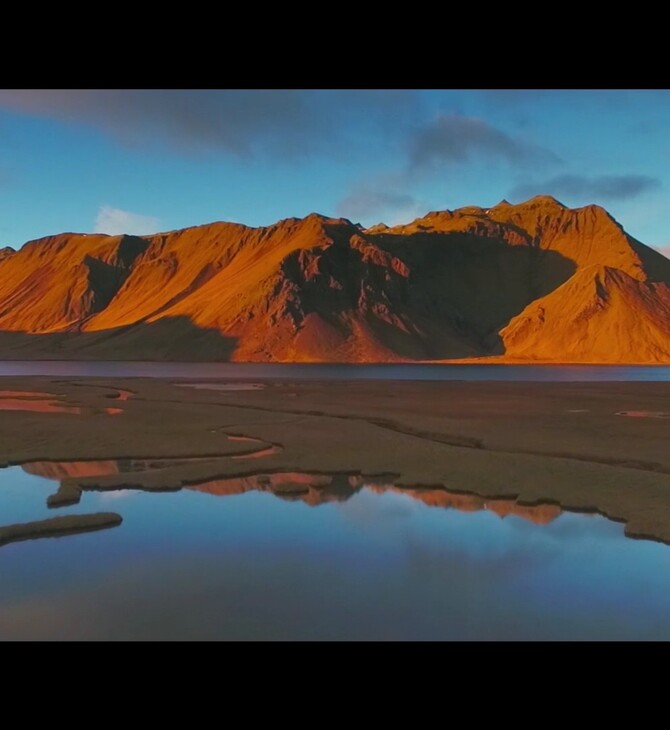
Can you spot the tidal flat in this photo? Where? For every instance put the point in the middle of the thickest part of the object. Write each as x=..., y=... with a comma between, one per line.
x=496, y=487
x=562, y=443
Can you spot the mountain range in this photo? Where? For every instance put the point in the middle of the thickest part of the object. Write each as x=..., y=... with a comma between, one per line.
x=533, y=282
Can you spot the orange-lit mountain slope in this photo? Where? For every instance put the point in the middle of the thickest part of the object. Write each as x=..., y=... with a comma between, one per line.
x=534, y=281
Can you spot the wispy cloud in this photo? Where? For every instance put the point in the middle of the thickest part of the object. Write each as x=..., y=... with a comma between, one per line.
x=665, y=250
x=115, y=222
x=589, y=189
x=453, y=138
x=184, y=118
x=365, y=203
x=284, y=123
x=448, y=140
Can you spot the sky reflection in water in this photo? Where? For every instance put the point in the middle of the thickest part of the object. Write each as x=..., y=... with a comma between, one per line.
x=378, y=565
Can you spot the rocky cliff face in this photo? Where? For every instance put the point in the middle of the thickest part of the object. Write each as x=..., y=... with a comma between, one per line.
x=535, y=281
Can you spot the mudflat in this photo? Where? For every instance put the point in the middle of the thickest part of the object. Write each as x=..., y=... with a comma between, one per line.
x=571, y=444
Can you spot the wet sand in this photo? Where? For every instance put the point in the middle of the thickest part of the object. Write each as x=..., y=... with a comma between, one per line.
x=527, y=443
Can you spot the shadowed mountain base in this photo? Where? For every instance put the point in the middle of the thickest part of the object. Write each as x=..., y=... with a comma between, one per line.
x=175, y=338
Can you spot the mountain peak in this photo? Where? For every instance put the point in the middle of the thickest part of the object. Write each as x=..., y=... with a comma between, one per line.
x=542, y=200
x=377, y=228
x=326, y=219
x=468, y=210
x=533, y=280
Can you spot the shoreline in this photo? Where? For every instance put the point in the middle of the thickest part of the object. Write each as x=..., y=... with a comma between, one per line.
x=535, y=442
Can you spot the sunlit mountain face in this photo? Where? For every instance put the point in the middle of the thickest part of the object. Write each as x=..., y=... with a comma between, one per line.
x=535, y=281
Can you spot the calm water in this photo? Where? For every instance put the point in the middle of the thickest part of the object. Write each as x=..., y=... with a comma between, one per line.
x=368, y=562
x=318, y=371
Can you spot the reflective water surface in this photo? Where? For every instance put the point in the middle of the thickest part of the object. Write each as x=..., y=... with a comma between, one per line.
x=337, y=371
x=299, y=556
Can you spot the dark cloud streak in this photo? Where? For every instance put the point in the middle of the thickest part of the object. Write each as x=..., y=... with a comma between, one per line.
x=453, y=138
x=283, y=123
x=188, y=119
x=589, y=189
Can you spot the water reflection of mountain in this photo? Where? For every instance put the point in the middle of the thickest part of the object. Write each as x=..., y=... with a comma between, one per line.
x=312, y=489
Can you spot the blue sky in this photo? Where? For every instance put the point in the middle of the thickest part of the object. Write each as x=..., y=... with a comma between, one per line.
x=140, y=161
